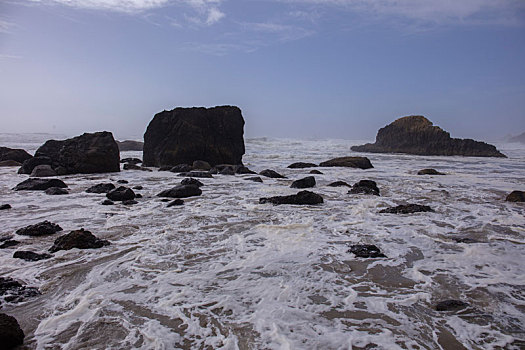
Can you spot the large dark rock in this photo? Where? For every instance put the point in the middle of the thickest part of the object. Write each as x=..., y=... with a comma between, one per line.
x=37, y=184
x=8, y=243
x=301, y=198
x=516, y=196
x=121, y=193
x=5, y=206
x=350, y=162
x=451, y=305
x=184, y=135
x=14, y=292
x=43, y=170
x=306, y=182
x=81, y=239
x=40, y=229
x=272, y=174
x=11, y=335
x=101, y=188
x=417, y=135
x=18, y=155
x=365, y=187
x=366, y=251
x=407, y=209
x=300, y=165
x=88, y=153
x=129, y=145
x=31, y=256
x=181, y=191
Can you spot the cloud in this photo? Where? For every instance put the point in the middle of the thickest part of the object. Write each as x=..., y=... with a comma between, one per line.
x=214, y=16
x=5, y=26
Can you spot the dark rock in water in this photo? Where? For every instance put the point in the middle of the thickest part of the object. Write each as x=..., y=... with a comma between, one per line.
x=37, y=184
x=366, y=251
x=80, y=239
x=9, y=243
x=417, y=135
x=7, y=163
x=306, y=182
x=29, y=164
x=5, y=206
x=451, y=305
x=138, y=187
x=181, y=168
x=122, y=181
x=300, y=165
x=176, y=202
x=181, y=191
x=254, y=179
x=165, y=200
x=101, y=188
x=40, y=229
x=130, y=166
x=429, y=172
x=121, y=193
x=131, y=160
x=138, y=195
x=301, y=198
x=16, y=154
x=272, y=174
x=201, y=165
x=338, y=184
x=201, y=174
x=130, y=202
x=227, y=171
x=191, y=181
x=14, y=292
x=11, y=335
x=89, y=153
x=107, y=202
x=31, y=256
x=516, y=196
x=129, y=145
x=184, y=135
x=166, y=168
x=55, y=191
x=315, y=171
x=43, y=170
x=365, y=187
x=241, y=169
x=466, y=240
x=407, y=209
x=349, y=162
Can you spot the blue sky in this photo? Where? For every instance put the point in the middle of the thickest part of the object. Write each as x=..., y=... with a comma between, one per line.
x=297, y=68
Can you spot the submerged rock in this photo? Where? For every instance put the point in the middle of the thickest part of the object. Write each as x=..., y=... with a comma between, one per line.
x=5, y=206
x=11, y=335
x=365, y=187
x=121, y=193
x=306, y=182
x=272, y=174
x=366, y=251
x=466, y=240
x=14, y=154
x=131, y=160
x=43, y=170
x=315, y=171
x=181, y=168
x=338, y=184
x=131, y=166
x=227, y=171
x=101, y=188
x=130, y=145
x=56, y=191
x=241, y=169
x=81, y=239
x=8, y=163
x=201, y=165
x=407, y=209
x=200, y=174
x=417, y=135
x=350, y=162
x=451, y=305
x=176, y=202
x=29, y=164
x=138, y=187
x=8, y=243
x=191, y=181
x=130, y=202
x=122, y=181
x=255, y=179
x=31, y=256
x=516, y=196
x=37, y=184
x=107, y=202
x=301, y=198
x=39, y=229
x=300, y=165
x=14, y=292
x=429, y=171
x=181, y=191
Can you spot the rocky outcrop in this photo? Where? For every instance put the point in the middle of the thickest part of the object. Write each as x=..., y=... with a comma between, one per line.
x=101, y=188
x=301, y=198
x=516, y=196
x=417, y=135
x=89, y=153
x=306, y=182
x=301, y=165
x=366, y=251
x=31, y=256
x=81, y=239
x=429, y=171
x=200, y=174
x=37, y=184
x=365, y=187
x=130, y=145
x=121, y=193
x=41, y=229
x=11, y=335
x=18, y=155
x=14, y=292
x=191, y=181
x=184, y=135
x=175, y=203
x=131, y=160
x=181, y=191
x=272, y=174
x=349, y=162
x=451, y=305
x=5, y=206
x=407, y=209
x=254, y=179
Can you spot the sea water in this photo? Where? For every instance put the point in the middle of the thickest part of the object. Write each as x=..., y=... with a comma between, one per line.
x=225, y=272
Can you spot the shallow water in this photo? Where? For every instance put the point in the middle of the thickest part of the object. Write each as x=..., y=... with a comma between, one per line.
x=224, y=272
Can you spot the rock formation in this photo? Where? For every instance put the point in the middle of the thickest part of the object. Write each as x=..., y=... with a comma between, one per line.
x=417, y=135
x=18, y=155
x=349, y=162
x=129, y=145
x=184, y=135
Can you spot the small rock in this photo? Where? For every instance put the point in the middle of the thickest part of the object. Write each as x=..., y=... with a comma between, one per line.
x=130, y=202
x=39, y=229
x=31, y=256
x=315, y=171
x=181, y=168
x=122, y=181
x=350, y=162
x=181, y=191
x=227, y=171
x=11, y=335
x=101, y=188
x=429, y=171
x=451, y=305
x=241, y=169
x=201, y=174
x=516, y=196
x=407, y=209
x=338, y=184
x=300, y=165
x=130, y=166
x=254, y=179
x=191, y=181
x=138, y=195
x=272, y=174
x=9, y=243
x=131, y=160
x=54, y=191
x=365, y=187
x=5, y=206
x=301, y=198
x=201, y=165
x=29, y=164
x=14, y=292
x=466, y=240
x=6, y=163
x=107, y=202
x=304, y=183
x=43, y=170
x=176, y=202
x=80, y=239
x=37, y=184
x=138, y=187
x=165, y=200
x=121, y=193
x=366, y=251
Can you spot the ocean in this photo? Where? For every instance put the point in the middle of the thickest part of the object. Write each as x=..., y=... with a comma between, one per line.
x=225, y=272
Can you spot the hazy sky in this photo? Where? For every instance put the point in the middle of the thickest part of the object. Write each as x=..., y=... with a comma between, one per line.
x=297, y=68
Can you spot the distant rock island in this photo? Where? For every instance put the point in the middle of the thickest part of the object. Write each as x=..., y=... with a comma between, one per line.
x=130, y=145
x=520, y=138
x=417, y=135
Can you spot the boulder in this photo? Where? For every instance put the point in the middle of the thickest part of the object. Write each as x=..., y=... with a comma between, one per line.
x=181, y=168
x=227, y=171
x=254, y=179
x=191, y=181
x=451, y=305
x=31, y=256
x=130, y=166
x=184, y=135
x=306, y=182
x=37, y=184
x=365, y=187
x=429, y=171
x=241, y=169
x=366, y=251
x=89, y=153
x=201, y=165
x=8, y=243
x=121, y=193
x=176, y=202
x=181, y=191
x=272, y=174
x=138, y=187
x=138, y=195
x=5, y=206
x=122, y=181
x=107, y=202
x=417, y=135
x=131, y=160
x=29, y=164
x=15, y=154
x=315, y=171
x=516, y=196
x=301, y=198
x=349, y=162
x=56, y=191
x=130, y=202
x=130, y=145
x=11, y=335
x=300, y=165
x=7, y=163
x=338, y=184
x=39, y=229
x=43, y=170
x=101, y=188
x=14, y=292
x=200, y=174
x=81, y=239
x=407, y=209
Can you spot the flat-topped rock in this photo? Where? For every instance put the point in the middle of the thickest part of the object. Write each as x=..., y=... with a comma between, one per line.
x=417, y=135
x=181, y=191
x=429, y=171
x=407, y=209
x=38, y=184
x=301, y=198
x=31, y=256
x=272, y=174
x=349, y=162
x=301, y=165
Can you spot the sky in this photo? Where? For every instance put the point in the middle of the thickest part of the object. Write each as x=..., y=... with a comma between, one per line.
x=296, y=68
